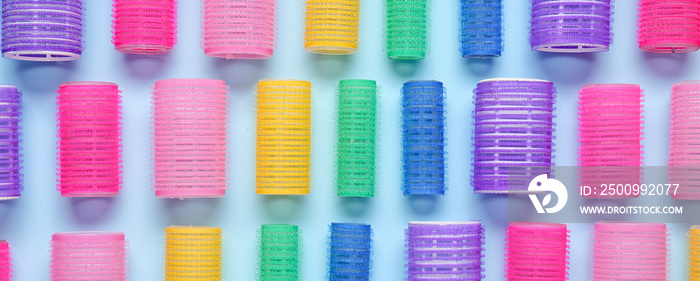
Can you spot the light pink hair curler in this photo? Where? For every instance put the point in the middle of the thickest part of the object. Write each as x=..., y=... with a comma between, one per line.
x=190, y=122
x=88, y=255
x=684, y=149
x=630, y=251
x=242, y=29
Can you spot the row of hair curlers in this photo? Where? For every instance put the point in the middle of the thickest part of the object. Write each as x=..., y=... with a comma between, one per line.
x=512, y=138
x=52, y=31
x=435, y=251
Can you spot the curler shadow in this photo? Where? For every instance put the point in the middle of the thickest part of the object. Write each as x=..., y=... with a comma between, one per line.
x=480, y=67
x=192, y=211
x=567, y=68
x=496, y=206
x=330, y=66
x=283, y=207
x=355, y=206
x=6, y=213
x=44, y=77
x=668, y=65
x=146, y=67
x=240, y=75
x=405, y=68
x=423, y=204
x=89, y=210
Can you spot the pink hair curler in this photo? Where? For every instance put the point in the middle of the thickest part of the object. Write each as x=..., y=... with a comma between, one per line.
x=610, y=130
x=147, y=27
x=630, y=251
x=90, y=255
x=242, y=29
x=537, y=251
x=668, y=26
x=5, y=261
x=684, y=149
x=89, y=139
x=190, y=122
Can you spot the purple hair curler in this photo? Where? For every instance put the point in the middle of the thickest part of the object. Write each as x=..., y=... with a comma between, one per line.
x=439, y=251
x=513, y=134
x=10, y=162
x=40, y=30
x=571, y=26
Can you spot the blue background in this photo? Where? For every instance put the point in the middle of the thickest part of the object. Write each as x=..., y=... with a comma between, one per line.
x=28, y=223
